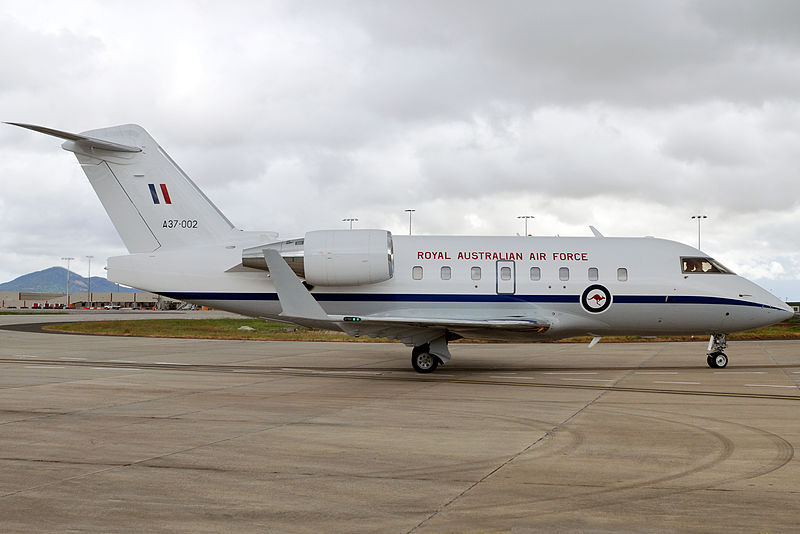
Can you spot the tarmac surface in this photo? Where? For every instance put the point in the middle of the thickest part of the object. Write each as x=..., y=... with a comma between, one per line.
x=112, y=434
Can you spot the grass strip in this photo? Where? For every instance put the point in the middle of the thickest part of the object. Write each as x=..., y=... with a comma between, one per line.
x=267, y=330
x=32, y=313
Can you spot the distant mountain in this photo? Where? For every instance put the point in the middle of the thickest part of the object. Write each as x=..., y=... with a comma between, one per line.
x=54, y=280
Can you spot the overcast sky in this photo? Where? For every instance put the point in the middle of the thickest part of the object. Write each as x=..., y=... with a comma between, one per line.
x=630, y=116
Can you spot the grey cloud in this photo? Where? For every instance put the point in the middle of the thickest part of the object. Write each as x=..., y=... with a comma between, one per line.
x=293, y=116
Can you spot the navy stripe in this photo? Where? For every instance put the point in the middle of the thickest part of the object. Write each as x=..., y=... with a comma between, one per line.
x=153, y=193
x=421, y=297
x=379, y=297
x=684, y=299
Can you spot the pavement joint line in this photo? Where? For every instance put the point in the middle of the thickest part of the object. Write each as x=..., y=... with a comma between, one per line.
x=572, y=373
x=740, y=372
x=655, y=373
x=512, y=458
x=591, y=379
x=72, y=359
x=514, y=377
x=603, y=390
x=768, y=386
x=44, y=367
x=668, y=382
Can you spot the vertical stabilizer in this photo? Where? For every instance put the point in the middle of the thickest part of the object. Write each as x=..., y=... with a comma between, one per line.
x=151, y=202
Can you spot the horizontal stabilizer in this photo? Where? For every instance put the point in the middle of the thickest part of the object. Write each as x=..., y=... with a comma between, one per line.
x=88, y=141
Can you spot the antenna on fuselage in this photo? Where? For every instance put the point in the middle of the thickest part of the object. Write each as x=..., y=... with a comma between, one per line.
x=595, y=231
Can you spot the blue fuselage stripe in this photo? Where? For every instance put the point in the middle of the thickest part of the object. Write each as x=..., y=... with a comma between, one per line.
x=418, y=297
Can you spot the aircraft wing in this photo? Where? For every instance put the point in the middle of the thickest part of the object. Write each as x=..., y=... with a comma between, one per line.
x=300, y=307
x=415, y=330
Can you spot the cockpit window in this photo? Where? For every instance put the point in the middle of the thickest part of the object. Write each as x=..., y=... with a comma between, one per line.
x=703, y=266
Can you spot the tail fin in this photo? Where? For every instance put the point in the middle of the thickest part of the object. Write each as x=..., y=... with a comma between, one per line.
x=150, y=200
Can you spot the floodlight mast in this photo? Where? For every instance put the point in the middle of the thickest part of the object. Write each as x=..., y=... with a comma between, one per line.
x=698, y=217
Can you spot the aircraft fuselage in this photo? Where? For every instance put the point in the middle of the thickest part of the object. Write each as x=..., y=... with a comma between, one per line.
x=645, y=292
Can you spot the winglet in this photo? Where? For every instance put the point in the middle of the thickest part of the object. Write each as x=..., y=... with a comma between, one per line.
x=92, y=142
x=295, y=299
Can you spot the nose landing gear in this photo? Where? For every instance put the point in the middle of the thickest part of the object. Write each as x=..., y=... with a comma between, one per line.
x=715, y=357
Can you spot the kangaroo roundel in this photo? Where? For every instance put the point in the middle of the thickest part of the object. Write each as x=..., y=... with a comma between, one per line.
x=596, y=299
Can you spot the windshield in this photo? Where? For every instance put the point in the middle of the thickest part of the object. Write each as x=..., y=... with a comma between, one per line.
x=703, y=266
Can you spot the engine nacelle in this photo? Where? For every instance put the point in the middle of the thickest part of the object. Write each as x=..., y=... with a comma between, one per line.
x=348, y=257
x=333, y=257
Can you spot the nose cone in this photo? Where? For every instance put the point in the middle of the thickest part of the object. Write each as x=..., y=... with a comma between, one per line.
x=788, y=312
x=761, y=309
x=780, y=310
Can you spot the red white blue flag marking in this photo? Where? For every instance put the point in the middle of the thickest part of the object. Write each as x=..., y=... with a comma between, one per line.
x=164, y=193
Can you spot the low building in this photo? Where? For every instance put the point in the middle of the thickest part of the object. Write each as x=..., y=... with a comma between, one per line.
x=138, y=300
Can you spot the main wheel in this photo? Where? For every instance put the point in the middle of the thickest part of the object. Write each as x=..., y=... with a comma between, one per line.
x=720, y=360
x=710, y=361
x=423, y=361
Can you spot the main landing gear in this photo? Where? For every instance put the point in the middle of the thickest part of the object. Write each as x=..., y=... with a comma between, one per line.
x=427, y=357
x=423, y=361
x=715, y=357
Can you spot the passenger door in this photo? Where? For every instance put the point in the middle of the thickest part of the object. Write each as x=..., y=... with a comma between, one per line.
x=506, y=277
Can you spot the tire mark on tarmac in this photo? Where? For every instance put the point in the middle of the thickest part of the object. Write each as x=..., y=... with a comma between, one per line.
x=622, y=494
x=386, y=374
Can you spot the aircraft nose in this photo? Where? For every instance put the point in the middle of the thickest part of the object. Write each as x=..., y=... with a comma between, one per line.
x=787, y=312
x=782, y=310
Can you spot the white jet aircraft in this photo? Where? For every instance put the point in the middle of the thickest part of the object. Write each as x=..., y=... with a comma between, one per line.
x=423, y=290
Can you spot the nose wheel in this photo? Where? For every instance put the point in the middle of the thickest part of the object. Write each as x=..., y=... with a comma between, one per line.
x=715, y=357
x=717, y=360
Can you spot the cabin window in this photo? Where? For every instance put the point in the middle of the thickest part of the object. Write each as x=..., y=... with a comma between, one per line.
x=593, y=275
x=563, y=274
x=416, y=272
x=475, y=273
x=446, y=273
x=536, y=273
x=505, y=273
x=702, y=266
x=622, y=274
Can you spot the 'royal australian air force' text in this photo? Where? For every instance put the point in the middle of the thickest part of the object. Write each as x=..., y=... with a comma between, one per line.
x=518, y=256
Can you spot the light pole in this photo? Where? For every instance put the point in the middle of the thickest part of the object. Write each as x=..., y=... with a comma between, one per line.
x=68, y=260
x=350, y=220
x=525, y=218
x=409, y=220
x=89, y=281
x=698, y=217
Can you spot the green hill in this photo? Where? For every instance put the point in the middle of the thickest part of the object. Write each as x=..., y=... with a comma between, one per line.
x=54, y=280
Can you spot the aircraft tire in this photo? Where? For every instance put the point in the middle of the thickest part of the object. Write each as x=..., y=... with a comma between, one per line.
x=717, y=360
x=423, y=361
